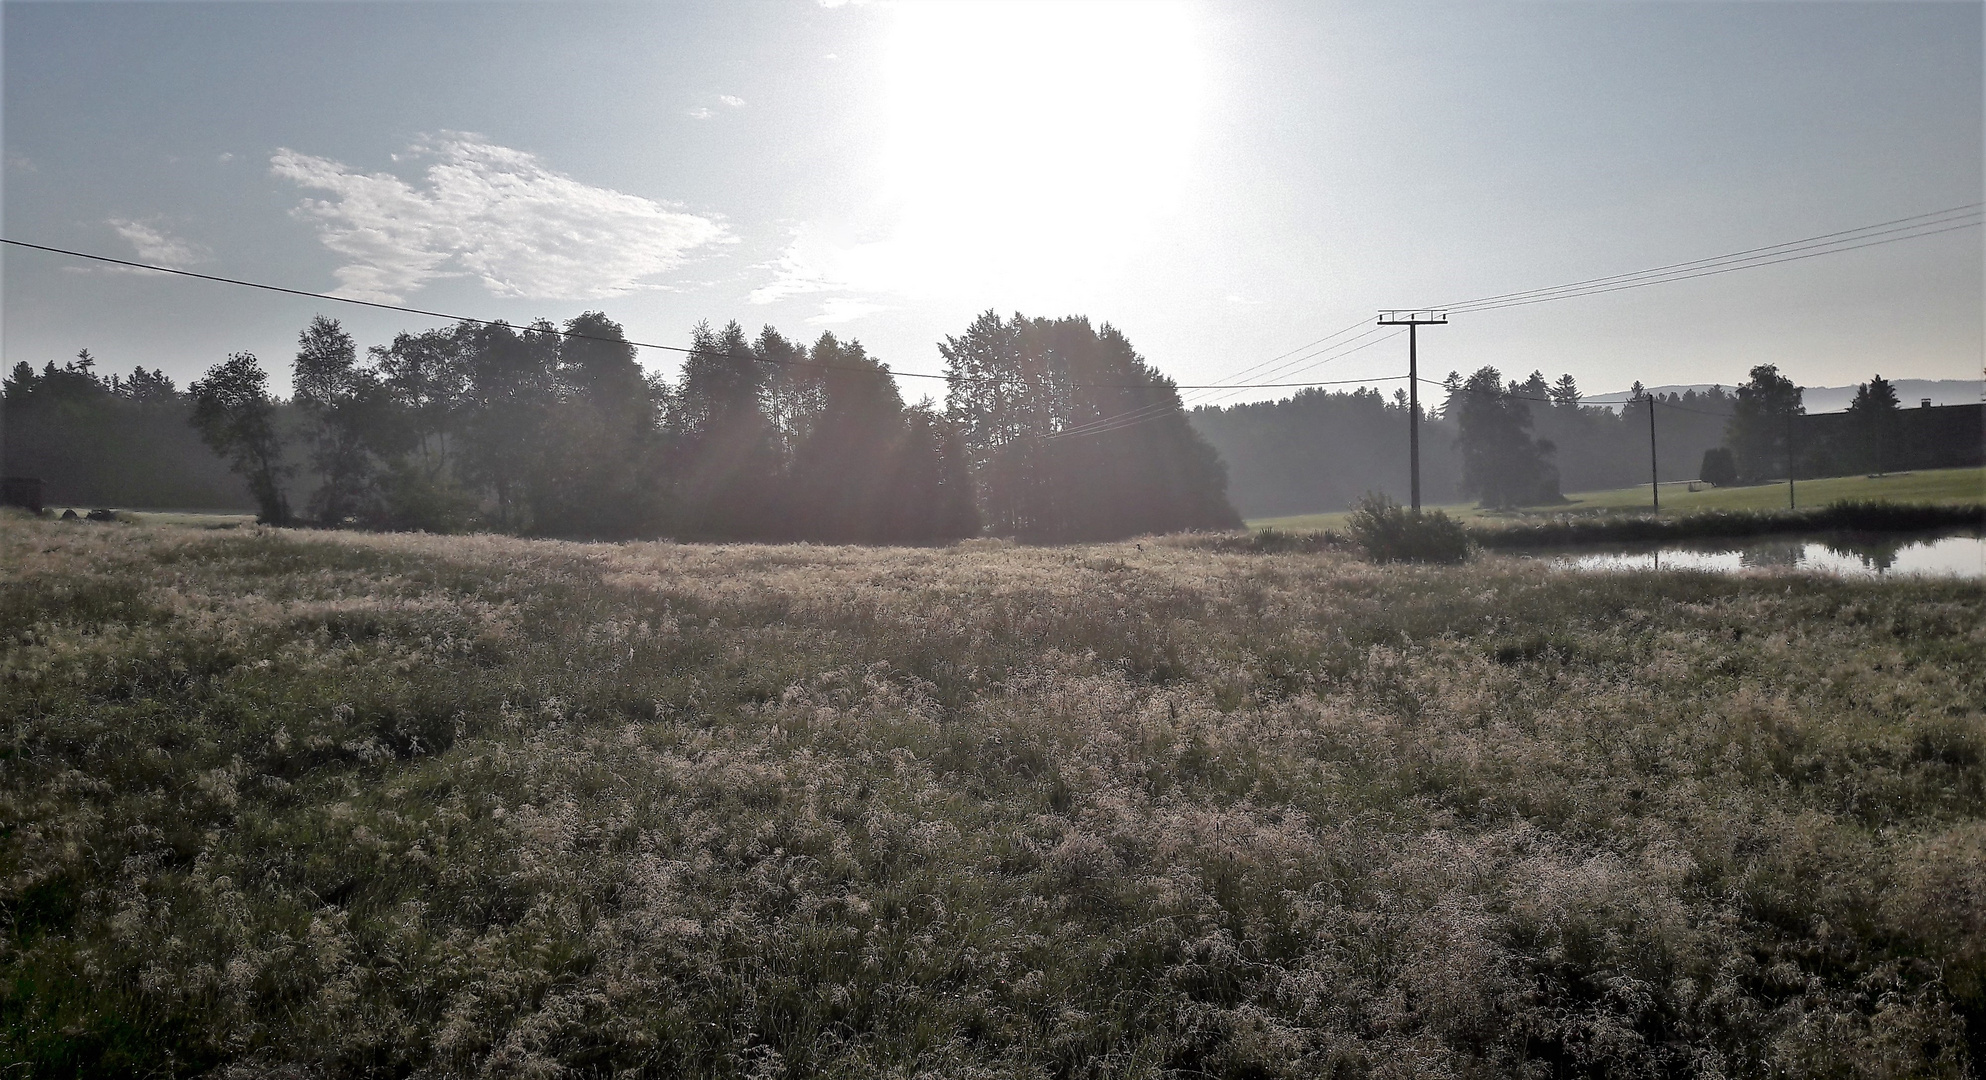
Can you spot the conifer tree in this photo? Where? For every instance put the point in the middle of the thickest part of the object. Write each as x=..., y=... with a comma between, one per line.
x=726, y=458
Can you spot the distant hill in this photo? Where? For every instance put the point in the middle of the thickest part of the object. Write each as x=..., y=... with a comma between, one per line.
x=1824, y=399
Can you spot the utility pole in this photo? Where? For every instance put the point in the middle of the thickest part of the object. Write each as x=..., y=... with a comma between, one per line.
x=1413, y=321
x=1654, y=477
x=1791, y=502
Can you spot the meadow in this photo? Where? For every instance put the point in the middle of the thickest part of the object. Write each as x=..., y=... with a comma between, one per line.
x=296, y=804
x=1942, y=487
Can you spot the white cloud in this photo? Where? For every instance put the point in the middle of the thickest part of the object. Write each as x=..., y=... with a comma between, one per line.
x=495, y=213
x=841, y=309
x=795, y=273
x=226, y=157
x=699, y=113
x=734, y=102
x=810, y=265
x=154, y=244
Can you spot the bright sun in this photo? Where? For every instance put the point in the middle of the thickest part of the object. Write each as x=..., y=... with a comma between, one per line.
x=1035, y=138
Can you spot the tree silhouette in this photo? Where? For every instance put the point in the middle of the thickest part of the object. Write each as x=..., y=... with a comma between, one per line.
x=726, y=458
x=596, y=470
x=345, y=412
x=1072, y=436
x=930, y=486
x=512, y=382
x=233, y=412
x=1502, y=463
x=1757, y=430
x=1875, y=411
x=842, y=473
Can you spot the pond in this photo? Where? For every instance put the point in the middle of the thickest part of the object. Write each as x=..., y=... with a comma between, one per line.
x=1855, y=555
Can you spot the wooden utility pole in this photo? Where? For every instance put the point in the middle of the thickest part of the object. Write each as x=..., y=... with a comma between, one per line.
x=1413, y=321
x=1792, y=503
x=1654, y=477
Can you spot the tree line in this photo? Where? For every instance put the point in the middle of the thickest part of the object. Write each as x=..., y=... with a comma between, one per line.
x=1509, y=443
x=1501, y=442
x=1053, y=430
x=110, y=439
x=557, y=430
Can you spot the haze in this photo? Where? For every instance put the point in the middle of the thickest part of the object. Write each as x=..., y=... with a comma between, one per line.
x=1221, y=182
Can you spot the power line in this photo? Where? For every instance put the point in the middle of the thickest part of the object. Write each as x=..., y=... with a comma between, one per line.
x=1257, y=367
x=1900, y=229
x=1723, y=270
x=548, y=328
x=1973, y=207
x=1305, y=362
x=1120, y=421
x=1885, y=232
x=1219, y=391
x=1149, y=413
x=1893, y=231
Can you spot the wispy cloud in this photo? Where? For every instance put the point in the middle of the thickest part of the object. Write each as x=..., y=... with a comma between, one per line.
x=699, y=113
x=155, y=244
x=495, y=213
x=841, y=309
x=794, y=273
x=810, y=266
x=734, y=102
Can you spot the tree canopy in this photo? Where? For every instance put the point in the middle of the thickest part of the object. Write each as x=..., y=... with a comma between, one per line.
x=1072, y=436
x=1502, y=463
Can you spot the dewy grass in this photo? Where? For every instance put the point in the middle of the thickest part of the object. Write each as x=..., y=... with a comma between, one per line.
x=314, y=804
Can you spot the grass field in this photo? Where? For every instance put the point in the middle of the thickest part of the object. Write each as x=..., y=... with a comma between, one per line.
x=1941, y=486
x=311, y=804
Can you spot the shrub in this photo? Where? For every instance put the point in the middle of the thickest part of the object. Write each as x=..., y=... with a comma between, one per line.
x=1391, y=533
x=1718, y=467
x=414, y=502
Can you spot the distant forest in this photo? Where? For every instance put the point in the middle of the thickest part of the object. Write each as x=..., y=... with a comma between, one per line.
x=1506, y=443
x=557, y=431
x=112, y=440
x=1053, y=430
x=1321, y=450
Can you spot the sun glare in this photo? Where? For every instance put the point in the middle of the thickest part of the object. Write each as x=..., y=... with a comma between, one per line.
x=1036, y=138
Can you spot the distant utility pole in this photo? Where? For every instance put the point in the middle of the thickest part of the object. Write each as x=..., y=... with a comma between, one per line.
x=1791, y=502
x=1413, y=321
x=1654, y=478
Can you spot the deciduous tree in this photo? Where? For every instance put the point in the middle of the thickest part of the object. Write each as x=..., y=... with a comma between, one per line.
x=234, y=414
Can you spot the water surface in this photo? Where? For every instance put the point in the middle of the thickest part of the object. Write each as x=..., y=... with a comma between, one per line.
x=1852, y=555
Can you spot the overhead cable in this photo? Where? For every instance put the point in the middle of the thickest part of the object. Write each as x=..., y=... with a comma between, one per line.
x=1887, y=232
x=547, y=328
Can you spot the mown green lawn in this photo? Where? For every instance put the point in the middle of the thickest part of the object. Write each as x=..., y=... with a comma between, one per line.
x=1945, y=486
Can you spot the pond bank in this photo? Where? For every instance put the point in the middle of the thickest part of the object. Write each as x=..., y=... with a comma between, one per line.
x=1858, y=517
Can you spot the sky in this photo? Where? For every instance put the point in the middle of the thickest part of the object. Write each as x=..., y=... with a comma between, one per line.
x=1222, y=182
